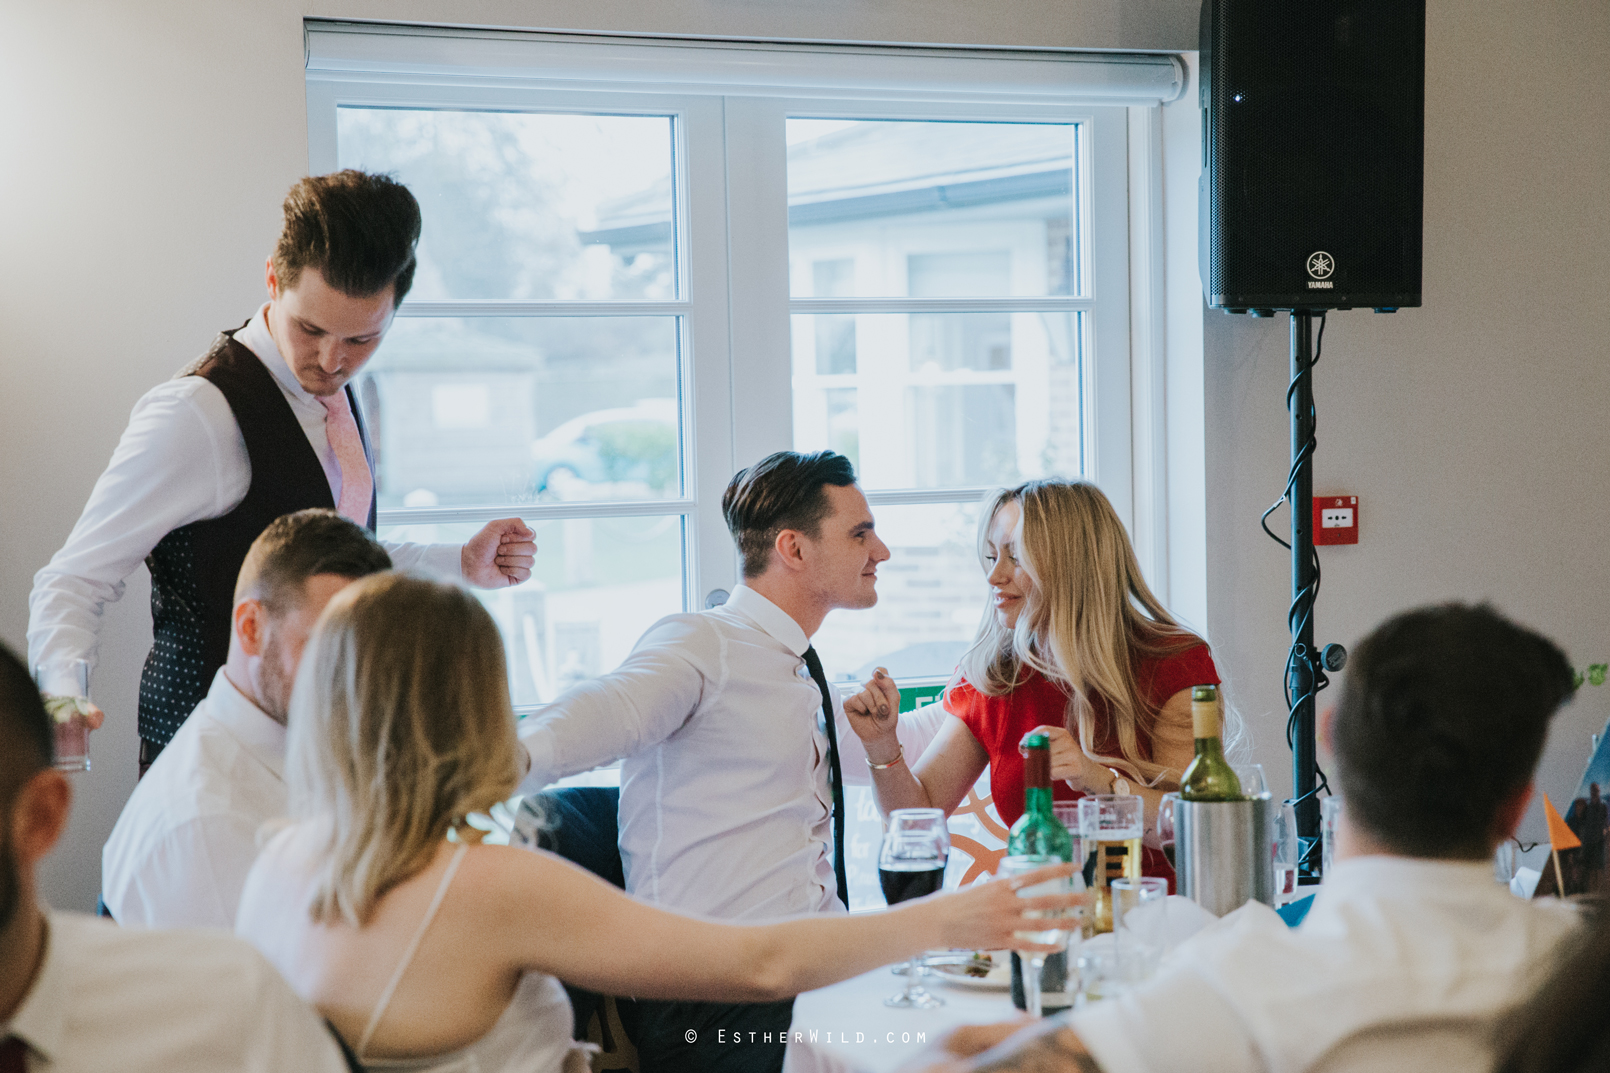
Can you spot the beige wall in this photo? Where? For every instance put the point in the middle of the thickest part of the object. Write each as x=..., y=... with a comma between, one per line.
x=144, y=149
x=1473, y=429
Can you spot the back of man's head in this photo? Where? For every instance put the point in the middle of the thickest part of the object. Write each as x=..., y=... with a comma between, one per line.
x=298, y=546
x=359, y=230
x=1440, y=723
x=27, y=740
x=785, y=490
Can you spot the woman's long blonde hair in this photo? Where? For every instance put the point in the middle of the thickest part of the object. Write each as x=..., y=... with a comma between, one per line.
x=1086, y=621
x=400, y=727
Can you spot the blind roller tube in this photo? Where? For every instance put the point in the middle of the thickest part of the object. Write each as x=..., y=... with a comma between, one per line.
x=372, y=52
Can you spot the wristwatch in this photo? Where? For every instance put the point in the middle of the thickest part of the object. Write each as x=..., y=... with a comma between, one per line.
x=1120, y=785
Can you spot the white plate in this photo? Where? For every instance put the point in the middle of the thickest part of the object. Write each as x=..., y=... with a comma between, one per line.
x=999, y=978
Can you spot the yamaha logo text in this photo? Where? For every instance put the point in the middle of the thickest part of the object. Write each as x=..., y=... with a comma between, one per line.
x=1320, y=267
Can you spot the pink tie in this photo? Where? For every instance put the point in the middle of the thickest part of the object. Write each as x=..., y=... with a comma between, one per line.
x=357, y=483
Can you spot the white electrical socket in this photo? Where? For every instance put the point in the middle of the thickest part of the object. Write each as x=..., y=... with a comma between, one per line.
x=1336, y=518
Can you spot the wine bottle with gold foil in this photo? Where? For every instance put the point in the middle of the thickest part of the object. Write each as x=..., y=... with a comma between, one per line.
x=1208, y=777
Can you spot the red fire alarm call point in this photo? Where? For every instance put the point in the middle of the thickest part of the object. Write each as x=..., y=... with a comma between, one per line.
x=1336, y=519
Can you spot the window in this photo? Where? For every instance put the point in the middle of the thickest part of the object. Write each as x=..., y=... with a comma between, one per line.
x=648, y=263
x=939, y=287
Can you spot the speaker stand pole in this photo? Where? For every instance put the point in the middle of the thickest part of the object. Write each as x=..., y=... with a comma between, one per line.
x=1302, y=668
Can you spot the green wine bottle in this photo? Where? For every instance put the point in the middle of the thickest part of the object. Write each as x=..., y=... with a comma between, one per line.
x=1208, y=777
x=1038, y=832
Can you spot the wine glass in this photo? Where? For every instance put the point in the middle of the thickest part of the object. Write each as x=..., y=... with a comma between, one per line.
x=1330, y=814
x=1286, y=854
x=1165, y=825
x=1253, y=781
x=911, y=864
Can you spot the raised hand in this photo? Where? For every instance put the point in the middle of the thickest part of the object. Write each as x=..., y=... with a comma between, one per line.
x=874, y=712
x=499, y=555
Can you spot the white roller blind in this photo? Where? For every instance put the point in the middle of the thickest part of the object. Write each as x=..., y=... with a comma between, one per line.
x=371, y=52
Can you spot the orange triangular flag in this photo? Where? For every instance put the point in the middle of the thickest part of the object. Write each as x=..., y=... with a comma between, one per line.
x=1560, y=836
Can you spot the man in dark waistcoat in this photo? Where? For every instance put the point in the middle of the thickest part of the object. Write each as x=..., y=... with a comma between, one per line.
x=262, y=424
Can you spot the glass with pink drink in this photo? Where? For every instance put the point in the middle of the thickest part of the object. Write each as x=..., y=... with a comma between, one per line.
x=64, y=685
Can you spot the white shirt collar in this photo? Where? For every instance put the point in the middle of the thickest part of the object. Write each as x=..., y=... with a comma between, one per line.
x=41, y=1020
x=257, y=731
x=1415, y=878
x=769, y=617
x=260, y=341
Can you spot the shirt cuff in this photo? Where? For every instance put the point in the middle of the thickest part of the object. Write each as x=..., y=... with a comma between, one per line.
x=445, y=559
x=540, y=745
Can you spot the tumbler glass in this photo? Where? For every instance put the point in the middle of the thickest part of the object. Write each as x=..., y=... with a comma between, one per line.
x=64, y=686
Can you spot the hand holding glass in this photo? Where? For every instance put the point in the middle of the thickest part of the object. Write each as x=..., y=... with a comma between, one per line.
x=64, y=686
x=1060, y=922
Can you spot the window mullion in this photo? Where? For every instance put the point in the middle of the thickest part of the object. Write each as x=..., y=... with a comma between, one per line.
x=707, y=355
x=1108, y=450
x=757, y=167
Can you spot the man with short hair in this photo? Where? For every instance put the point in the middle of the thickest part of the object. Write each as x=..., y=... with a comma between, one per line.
x=263, y=424
x=179, y=854
x=726, y=805
x=80, y=995
x=1410, y=948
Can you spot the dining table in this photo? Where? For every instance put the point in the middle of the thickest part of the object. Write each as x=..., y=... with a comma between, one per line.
x=846, y=1027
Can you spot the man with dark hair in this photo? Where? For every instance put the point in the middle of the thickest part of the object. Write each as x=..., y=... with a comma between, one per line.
x=79, y=994
x=781, y=491
x=1410, y=949
x=263, y=424
x=179, y=854
x=727, y=807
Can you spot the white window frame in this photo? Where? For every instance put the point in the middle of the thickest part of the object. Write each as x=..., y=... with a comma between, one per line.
x=1142, y=367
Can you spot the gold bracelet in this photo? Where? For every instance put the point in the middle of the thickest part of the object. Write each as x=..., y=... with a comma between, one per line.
x=898, y=756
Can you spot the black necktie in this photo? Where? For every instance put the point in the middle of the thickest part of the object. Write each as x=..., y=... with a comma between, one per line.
x=835, y=777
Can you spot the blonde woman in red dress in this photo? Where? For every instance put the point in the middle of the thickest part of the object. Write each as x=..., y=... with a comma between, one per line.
x=1074, y=645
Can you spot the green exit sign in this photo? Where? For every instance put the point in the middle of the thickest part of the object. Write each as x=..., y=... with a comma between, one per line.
x=925, y=692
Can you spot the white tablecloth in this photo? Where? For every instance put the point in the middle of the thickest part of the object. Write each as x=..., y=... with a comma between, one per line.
x=847, y=1027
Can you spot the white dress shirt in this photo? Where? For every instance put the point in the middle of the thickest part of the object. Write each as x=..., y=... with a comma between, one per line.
x=725, y=809
x=182, y=459
x=166, y=1002
x=1400, y=965
x=179, y=854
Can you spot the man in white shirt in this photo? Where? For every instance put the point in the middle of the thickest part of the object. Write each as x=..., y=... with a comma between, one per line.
x=1410, y=948
x=265, y=423
x=726, y=805
x=179, y=854
x=80, y=995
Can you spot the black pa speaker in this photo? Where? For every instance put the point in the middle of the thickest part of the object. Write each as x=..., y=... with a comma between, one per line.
x=1313, y=153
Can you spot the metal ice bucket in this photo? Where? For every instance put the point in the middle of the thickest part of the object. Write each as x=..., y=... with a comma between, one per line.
x=1223, y=852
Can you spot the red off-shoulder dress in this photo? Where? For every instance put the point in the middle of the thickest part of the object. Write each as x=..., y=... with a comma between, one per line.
x=1000, y=722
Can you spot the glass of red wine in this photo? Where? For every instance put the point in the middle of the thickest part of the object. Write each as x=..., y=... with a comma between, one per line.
x=911, y=864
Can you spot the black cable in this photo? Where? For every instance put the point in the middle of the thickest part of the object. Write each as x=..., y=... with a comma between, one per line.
x=1307, y=450
x=1302, y=604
